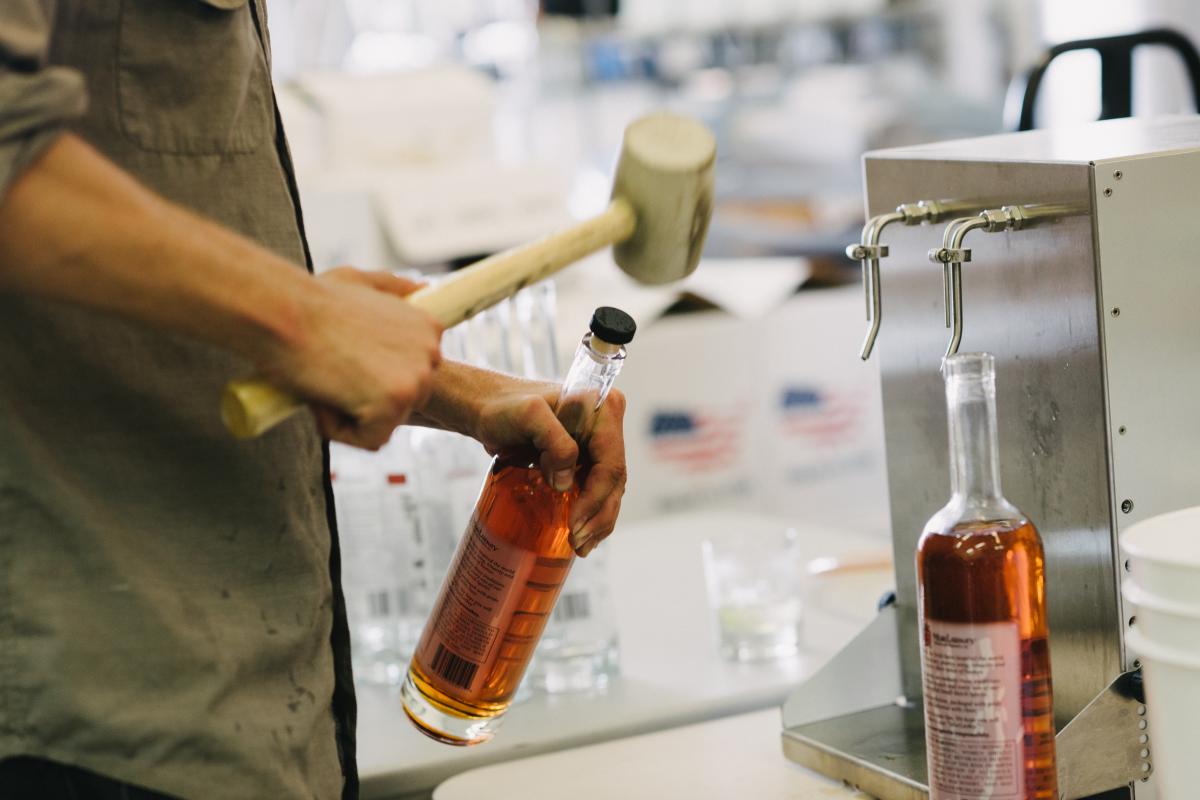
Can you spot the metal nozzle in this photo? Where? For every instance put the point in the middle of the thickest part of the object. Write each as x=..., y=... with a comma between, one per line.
x=952, y=255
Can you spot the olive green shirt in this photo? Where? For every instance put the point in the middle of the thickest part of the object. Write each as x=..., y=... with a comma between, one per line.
x=169, y=608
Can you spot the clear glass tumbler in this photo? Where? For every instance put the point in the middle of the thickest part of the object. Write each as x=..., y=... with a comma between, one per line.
x=755, y=588
x=578, y=651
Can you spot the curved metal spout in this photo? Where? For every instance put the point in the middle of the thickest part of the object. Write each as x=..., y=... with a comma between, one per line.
x=869, y=251
x=951, y=256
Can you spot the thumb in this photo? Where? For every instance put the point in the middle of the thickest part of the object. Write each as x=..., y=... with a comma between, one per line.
x=559, y=452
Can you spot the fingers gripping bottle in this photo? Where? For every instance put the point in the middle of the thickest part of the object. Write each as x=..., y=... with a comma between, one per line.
x=985, y=661
x=509, y=568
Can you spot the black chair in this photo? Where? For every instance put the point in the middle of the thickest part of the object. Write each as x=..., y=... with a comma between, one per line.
x=1116, y=72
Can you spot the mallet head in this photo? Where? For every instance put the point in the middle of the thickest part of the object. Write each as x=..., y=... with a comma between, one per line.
x=665, y=173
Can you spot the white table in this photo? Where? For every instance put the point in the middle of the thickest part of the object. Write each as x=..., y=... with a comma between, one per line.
x=671, y=673
x=735, y=757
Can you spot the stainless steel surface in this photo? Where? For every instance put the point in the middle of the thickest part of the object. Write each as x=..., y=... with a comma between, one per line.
x=864, y=675
x=1102, y=748
x=1087, y=143
x=1147, y=236
x=952, y=254
x=1097, y=344
x=849, y=721
x=880, y=751
x=1032, y=301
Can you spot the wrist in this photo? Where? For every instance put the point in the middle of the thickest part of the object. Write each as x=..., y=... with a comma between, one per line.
x=457, y=399
x=278, y=323
x=462, y=394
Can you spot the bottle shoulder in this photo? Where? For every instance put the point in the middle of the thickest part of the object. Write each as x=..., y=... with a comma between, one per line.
x=973, y=537
x=967, y=513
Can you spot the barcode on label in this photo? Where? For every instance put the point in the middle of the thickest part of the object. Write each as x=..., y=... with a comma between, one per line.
x=454, y=668
x=576, y=605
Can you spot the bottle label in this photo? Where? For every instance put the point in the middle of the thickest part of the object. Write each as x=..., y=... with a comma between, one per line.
x=462, y=638
x=973, y=728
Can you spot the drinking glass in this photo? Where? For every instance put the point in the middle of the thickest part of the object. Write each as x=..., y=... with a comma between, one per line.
x=755, y=584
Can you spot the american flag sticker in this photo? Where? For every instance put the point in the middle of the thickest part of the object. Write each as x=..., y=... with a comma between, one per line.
x=697, y=440
x=820, y=416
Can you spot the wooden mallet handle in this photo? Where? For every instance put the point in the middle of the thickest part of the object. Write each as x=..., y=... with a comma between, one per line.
x=252, y=406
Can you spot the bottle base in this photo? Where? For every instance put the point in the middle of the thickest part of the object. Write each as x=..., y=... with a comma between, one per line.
x=442, y=724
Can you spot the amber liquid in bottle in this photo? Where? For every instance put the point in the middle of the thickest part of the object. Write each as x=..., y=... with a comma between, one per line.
x=992, y=572
x=516, y=509
x=989, y=714
x=509, y=568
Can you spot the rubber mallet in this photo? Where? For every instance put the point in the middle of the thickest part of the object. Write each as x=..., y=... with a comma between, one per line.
x=656, y=222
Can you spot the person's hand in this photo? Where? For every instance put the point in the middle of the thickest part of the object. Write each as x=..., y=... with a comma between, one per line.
x=523, y=415
x=364, y=358
x=520, y=413
x=594, y=514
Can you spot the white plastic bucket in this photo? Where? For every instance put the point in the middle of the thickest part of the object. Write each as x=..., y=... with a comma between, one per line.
x=1164, y=622
x=1173, y=703
x=1164, y=555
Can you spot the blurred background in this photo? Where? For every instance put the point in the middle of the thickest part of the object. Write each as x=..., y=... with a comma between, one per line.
x=429, y=133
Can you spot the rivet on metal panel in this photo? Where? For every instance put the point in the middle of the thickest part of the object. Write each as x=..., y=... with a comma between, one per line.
x=1116, y=311
x=1117, y=175
x=1143, y=739
x=1141, y=724
x=1137, y=663
x=1121, y=430
x=1145, y=753
x=1127, y=506
x=1107, y=191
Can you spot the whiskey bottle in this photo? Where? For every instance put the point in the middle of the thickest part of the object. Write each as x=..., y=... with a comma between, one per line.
x=509, y=567
x=985, y=661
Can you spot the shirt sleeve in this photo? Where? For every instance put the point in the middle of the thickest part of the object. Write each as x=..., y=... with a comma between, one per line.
x=36, y=100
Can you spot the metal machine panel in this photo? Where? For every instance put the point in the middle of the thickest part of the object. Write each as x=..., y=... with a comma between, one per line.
x=1029, y=297
x=1091, y=319
x=1079, y=144
x=1148, y=244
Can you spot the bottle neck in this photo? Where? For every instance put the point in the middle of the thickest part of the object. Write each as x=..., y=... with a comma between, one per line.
x=974, y=445
x=589, y=380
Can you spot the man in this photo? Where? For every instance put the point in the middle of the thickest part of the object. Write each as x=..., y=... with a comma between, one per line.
x=171, y=622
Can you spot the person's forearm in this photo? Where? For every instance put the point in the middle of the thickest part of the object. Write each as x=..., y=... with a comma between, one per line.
x=460, y=391
x=76, y=228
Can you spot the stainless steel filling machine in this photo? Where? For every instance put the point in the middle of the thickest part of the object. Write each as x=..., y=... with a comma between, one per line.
x=1071, y=255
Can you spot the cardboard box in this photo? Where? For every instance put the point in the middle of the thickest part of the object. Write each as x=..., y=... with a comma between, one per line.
x=772, y=414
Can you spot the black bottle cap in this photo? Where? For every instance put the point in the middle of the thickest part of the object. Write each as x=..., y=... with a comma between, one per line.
x=612, y=325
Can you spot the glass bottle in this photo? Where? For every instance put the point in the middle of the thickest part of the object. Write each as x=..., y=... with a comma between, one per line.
x=509, y=568
x=400, y=507
x=369, y=564
x=985, y=659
